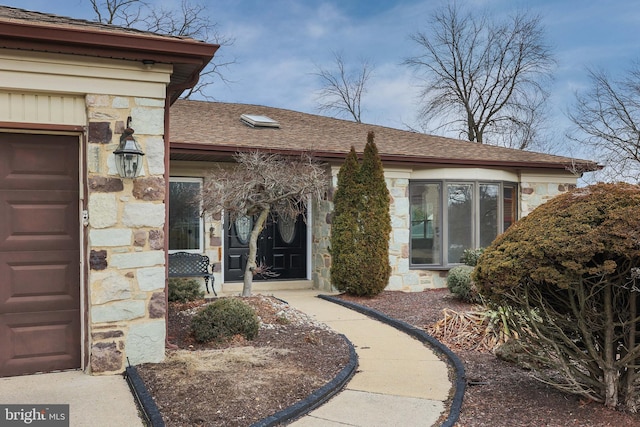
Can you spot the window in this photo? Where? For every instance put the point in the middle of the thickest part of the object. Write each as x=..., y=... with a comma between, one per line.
x=185, y=222
x=448, y=217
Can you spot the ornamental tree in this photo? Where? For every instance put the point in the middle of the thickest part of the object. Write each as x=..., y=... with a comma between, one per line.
x=258, y=184
x=569, y=275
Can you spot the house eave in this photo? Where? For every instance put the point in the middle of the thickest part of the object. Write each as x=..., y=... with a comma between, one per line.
x=188, y=56
x=202, y=152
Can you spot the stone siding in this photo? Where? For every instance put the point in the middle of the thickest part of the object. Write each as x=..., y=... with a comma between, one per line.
x=403, y=278
x=533, y=194
x=320, y=243
x=126, y=280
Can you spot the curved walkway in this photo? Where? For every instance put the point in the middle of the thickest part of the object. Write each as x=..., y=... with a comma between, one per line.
x=399, y=382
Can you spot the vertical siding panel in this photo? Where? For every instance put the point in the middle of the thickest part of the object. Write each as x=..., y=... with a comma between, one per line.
x=42, y=108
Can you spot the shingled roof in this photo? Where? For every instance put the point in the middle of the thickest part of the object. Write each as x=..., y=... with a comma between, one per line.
x=214, y=130
x=42, y=32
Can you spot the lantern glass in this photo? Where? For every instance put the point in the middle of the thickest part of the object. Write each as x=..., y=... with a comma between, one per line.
x=128, y=156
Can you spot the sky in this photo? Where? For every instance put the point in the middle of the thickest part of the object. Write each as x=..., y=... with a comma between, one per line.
x=279, y=45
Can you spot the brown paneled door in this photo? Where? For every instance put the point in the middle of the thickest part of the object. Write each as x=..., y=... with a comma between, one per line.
x=39, y=254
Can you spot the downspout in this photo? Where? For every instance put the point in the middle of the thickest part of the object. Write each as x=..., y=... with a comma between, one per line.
x=519, y=195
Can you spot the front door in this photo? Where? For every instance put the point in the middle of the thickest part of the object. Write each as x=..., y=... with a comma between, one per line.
x=281, y=248
x=39, y=254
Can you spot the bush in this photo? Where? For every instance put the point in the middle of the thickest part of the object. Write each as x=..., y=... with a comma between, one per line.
x=345, y=226
x=570, y=272
x=361, y=224
x=376, y=222
x=460, y=284
x=183, y=290
x=223, y=319
x=470, y=256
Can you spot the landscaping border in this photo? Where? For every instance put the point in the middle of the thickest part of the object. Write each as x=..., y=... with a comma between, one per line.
x=145, y=402
x=318, y=397
x=153, y=417
x=460, y=382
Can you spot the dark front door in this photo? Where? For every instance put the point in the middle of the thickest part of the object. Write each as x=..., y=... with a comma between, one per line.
x=39, y=254
x=281, y=248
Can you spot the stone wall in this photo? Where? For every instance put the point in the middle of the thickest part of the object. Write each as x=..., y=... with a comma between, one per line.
x=402, y=278
x=533, y=194
x=320, y=243
x=126, y=280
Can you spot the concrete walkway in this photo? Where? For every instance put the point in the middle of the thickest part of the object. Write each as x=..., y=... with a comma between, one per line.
x=399, y=382
x=94, y=401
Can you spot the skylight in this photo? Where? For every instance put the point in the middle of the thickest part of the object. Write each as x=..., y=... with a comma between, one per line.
x=256, y=121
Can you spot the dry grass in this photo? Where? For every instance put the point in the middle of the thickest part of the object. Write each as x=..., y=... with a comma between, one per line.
x=225, y=359
x=479, y=330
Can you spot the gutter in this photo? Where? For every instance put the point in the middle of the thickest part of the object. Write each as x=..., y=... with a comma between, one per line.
x=204, y=151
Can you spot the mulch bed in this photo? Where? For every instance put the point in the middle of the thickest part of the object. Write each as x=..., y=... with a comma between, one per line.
x=498, y=393
x=239, y=382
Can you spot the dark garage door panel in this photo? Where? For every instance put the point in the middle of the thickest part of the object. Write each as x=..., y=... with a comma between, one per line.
x=39, y=342
x=35, y=282
x=39, y=220
x=40, y=317
x=45, y=162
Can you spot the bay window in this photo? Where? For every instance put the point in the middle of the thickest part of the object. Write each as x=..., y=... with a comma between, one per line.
x=448, y=217
x=185, y=222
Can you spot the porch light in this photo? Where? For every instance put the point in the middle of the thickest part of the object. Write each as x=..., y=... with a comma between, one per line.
x=128, y=155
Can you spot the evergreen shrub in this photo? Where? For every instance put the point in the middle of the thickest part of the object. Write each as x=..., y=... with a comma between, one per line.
x=460, y=284
x=470, y=256
x=569, y=272
x=183, y=290
x=223, y=319
x=361, y=224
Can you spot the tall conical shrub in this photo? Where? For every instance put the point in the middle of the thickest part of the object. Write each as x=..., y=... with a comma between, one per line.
x=361, y=225
x=376, y=220
x=345, y=227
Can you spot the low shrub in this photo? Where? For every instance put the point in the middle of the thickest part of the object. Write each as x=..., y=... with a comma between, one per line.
x=223, y=319
x=183, y=290
x=470, y=256
x=460, y=284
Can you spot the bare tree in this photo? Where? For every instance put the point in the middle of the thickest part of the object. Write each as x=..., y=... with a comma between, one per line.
x=482, y=76
x=258, y=184
x=191, y=20
x=607, y=120
x=341, y=91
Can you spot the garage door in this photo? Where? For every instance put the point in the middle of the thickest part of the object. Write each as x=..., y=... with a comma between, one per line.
x=39, y=254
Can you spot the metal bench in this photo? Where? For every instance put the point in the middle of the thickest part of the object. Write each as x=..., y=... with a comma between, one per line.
x=186, y=264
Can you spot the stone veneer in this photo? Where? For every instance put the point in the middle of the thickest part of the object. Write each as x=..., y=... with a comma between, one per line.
x=126, y=280
x=403, y=278
x=533, y=194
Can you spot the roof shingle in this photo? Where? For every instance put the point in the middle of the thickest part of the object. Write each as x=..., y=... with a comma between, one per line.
x=214, y=126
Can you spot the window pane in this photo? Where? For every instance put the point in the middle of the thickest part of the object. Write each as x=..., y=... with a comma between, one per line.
x=488, y=213
x=425, y=223
x=460, y=220
x=184, y=215
x=510, y=212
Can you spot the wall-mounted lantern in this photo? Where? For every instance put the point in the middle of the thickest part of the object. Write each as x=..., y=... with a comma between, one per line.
x=128, y=155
